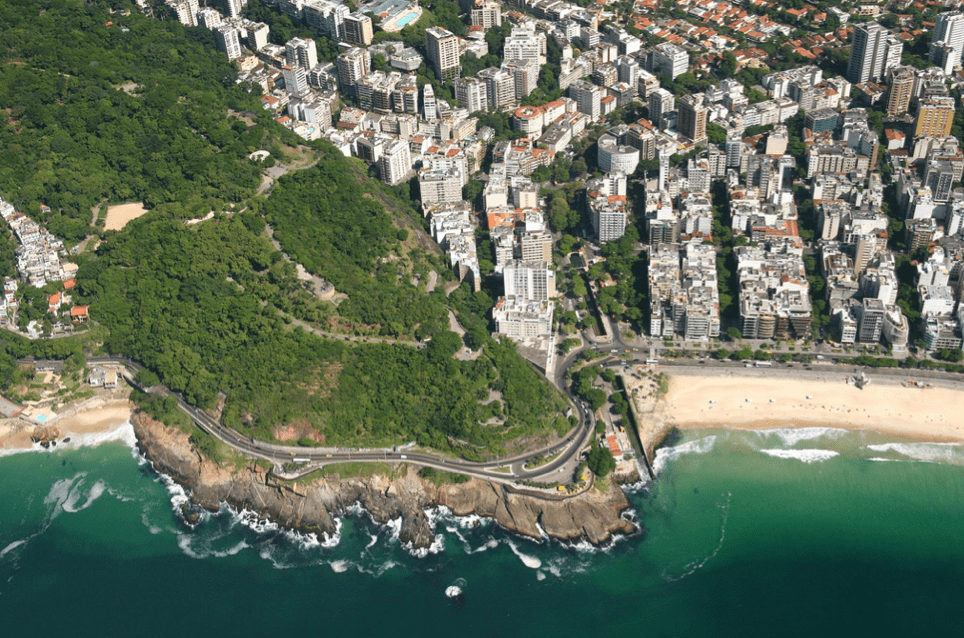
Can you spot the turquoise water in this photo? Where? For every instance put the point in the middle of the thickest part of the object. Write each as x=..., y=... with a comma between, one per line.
x=787, y=534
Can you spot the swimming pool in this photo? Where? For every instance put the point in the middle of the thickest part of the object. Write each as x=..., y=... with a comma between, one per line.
x=406, y=19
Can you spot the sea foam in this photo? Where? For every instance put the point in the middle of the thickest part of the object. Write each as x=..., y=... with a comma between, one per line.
x=667, y=454
x=947, y=453
x=792, y=436
x=807, y=456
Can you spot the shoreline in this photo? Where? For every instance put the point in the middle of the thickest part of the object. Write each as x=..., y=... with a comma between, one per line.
x=102, y=422
x=757, y=400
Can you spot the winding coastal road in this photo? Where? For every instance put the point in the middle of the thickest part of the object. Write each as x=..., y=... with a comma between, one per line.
x=503, y=470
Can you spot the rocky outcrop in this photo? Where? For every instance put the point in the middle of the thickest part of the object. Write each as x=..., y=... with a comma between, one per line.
x=312, y=506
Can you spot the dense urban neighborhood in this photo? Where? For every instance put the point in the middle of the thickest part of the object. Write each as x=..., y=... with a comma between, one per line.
x=726, y=181
x=696, y=168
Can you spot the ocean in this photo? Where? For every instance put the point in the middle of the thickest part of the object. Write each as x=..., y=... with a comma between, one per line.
x=784, y=533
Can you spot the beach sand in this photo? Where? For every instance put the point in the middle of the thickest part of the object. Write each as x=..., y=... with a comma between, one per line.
x=119, y=216
x=927, y=414
x=98, y=417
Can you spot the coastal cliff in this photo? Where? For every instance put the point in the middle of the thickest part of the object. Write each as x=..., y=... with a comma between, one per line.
x=313, y=505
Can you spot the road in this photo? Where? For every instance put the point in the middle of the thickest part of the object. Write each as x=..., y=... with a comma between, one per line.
x=570, y=446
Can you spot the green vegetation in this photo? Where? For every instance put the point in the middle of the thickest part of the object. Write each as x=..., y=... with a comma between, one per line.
x=442, y=478
x=73, y=136
x=601, y=460
x=335, y=224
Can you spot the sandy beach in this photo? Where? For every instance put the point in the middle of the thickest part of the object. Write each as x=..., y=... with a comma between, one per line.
x=98, y=417
x=770, y=402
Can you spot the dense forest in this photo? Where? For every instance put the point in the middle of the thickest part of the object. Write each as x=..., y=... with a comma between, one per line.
x=337, y=226
x=103, y=106
x=187, y=301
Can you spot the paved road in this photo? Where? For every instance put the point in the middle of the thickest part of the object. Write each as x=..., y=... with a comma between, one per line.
x=570, y=445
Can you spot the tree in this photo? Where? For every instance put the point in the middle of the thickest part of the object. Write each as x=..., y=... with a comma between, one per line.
x=600, y=461
x=734, y=333
x=715, y=133
x=728, y=64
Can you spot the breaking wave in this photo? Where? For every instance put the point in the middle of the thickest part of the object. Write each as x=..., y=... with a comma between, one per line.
x=807, y=456
x=947, y=453
x=667, y=454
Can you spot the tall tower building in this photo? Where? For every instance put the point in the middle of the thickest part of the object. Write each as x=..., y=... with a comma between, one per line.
x=874, y=50
x=395, y=163
x=443, y=52
x=693, y=115
x=901, y=90
x=588, y=98
x=660, y=101
x=301, y=52
x=227, y=40
x=949, y=32
x=429, y=108
x=232, y=8
x=358, y=29
x=185, y=11
x=486, y=14
x=471, y=93
x=353, y=65
x=934, y=117
x=296, y=79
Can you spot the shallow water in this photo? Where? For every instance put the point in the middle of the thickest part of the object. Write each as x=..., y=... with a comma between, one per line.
x=746, y=533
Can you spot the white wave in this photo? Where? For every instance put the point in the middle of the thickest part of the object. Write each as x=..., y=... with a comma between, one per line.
x=394, y=527
x=883, y=460
x=123, y=433
x=256, y=523
x=667, y=454
x=948, y=453
x=807, y=456
x=371, y=543
x=332, y=540
x=792, y=436
x=489, y=544
x=187, y=540
x=153, y=529
x=438, y=544
x=540, y=575
x=70, y=505
x=453, y=591
x=14, y=545
x=339, y=566
x=58, y=495
x=529, y=561
x=120, y=497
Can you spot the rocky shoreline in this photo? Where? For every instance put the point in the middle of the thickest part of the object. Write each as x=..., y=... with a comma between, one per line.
x=314, y=505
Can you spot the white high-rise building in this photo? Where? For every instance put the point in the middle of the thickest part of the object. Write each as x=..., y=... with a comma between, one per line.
x=353, y=65
x=227, y=39
x=443, y=52
x=429, y=107
x=301, y=52
x=209, y=18
x=670, y=60
x=874, y=51
x=529, y=280
x=487, y=14
x=395, y=164
x=296, y=79
x=660, y=101
x=185, y=10
x=588, y=98
x=257, y=35
x=499, y=87
x=949, y=32
x=232, y=8
x=525, y=44
x=471, y=93
x=327, y=18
